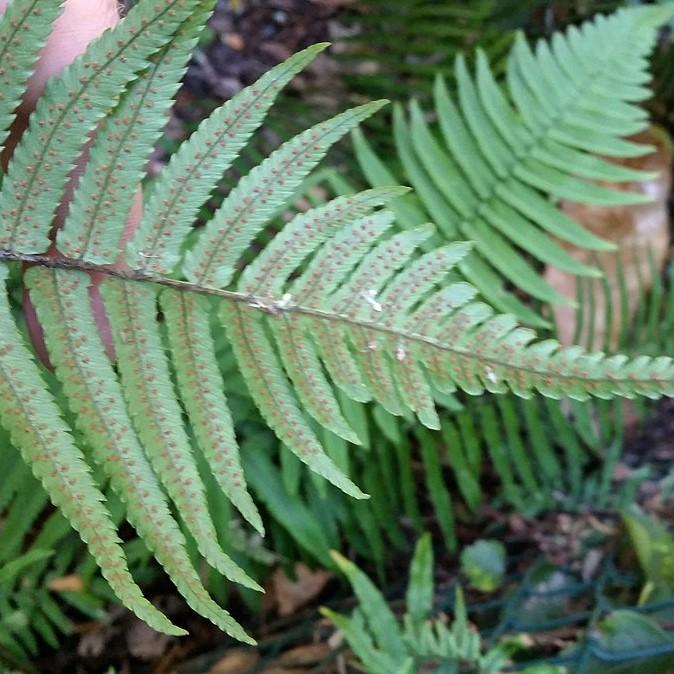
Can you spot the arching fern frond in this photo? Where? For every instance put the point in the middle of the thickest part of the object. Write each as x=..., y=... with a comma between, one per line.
x=335, y=300
x=499, y=158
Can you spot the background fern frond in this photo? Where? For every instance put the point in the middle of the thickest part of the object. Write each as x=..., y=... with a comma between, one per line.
x=496, y=162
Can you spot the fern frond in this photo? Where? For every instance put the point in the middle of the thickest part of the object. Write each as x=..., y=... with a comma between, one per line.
x=335, y=299
x=331, y=264
x=379, y=315
x=201, y=388
x=99, y=210
x=189, y=178
x=24, y=28
x=33, y=419
x=496, y=162
x=158, y=418
x=62, y=303
x=85, y=92
x=359, y=294
x=254, y=200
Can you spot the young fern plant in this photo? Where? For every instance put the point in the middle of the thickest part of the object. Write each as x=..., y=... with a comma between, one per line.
x=335, y=299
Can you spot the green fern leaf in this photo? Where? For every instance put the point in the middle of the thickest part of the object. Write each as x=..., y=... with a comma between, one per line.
x=401, y=294
x=379, y=616
x=434, y=309
x=331, y=265
x=85, y=92
x=269, y=272
x=392, y=310
x=272, y=267
x=62, y=303
x=201, y=388
x=158, y=419
x=24, y=28
x=359, y=295
x=499, y=163
x=33, y=419
x=116, y=164
x=189, y=178
x=262, y=370
x=268, y=186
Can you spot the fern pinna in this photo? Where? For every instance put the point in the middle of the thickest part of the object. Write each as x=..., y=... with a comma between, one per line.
x=336, y=299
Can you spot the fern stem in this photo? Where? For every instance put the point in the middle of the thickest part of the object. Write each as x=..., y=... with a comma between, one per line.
x=274, y=308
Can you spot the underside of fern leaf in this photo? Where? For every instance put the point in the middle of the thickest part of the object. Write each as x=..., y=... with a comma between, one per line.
x=336, y=300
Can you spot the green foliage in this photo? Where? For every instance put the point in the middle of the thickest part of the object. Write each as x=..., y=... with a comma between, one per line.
x=496, y=163
x=617, y=641
x=483, y=564
x=428, y=37
x=384, y=645
x=334, y=310
x=624, y=631
x=36, y=549
x=653, y=544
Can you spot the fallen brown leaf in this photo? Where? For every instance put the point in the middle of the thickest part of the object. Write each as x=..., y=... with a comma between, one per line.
x=145, y=643
x=291, y=595
x=71, y=583
x=236, y=661
x=93, y=643
x=234, y=41
x=308, y=654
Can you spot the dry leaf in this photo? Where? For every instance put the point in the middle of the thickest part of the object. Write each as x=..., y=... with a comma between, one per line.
x=237, y=661
x=308, y=654
x=93, y=643
x=71, y=583
x=145, y=643
x=293, y=594
x=635, y=229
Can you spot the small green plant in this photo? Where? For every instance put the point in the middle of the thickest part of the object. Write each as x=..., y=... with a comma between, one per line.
x=484, y=564
x=419, y=642
x=653, y=544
